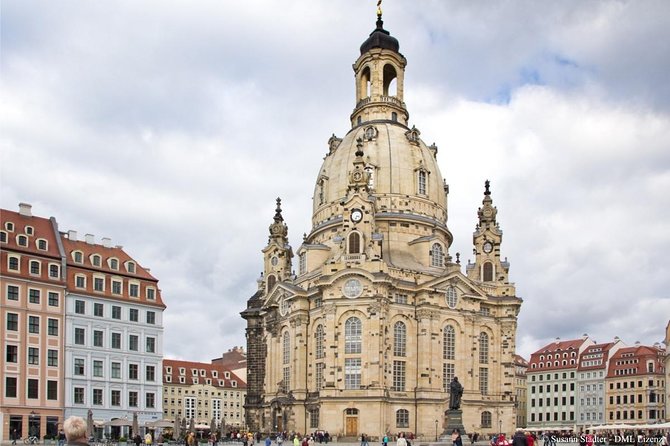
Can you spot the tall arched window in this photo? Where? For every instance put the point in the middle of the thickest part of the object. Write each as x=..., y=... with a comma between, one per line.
x=286, y=348
x=390, y=75
x=402, y=418
x=353, y=331
x=319, y=337
x=399, y=339
x=488, y=272
x=483, y=348
x=448, y=355
x=422, y=180
x=354, y=243
x=436, y=255
x=365, y=83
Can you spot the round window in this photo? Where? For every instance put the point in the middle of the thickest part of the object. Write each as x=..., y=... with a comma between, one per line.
x=352, y=288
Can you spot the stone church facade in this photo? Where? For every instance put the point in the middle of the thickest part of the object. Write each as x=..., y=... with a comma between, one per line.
x=378, y=318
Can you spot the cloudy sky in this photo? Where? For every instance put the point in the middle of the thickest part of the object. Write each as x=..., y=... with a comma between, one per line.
x=172, y=126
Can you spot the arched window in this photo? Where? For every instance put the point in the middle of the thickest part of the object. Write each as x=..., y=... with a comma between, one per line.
x=486, y=419
x=488, y=272
x=402, y=418
x=399, y=339
x=390, y=75
x=483, y=348
x=436, y=255
x=319, y=338
x=353, y=331
x=286, y=348
x=449, y=343
x=354, y=243
x=271, y=282
x=422, y=181
x=394, y=116
x=365, y=83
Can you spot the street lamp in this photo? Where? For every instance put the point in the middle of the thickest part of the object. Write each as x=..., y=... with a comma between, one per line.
x=436, y=431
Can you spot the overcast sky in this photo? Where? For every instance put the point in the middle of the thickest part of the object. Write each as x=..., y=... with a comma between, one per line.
x=171, y=127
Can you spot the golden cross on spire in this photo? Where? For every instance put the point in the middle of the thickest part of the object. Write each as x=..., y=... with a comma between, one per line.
x=379, y=8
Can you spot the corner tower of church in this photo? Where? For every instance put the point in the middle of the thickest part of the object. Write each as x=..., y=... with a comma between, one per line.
x=379, y=318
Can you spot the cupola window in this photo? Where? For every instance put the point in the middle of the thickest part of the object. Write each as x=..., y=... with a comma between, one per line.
x=436, y=255
x=390, y=80
x=365, y=83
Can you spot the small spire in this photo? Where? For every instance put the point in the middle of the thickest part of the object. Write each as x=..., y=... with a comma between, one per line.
x=487, y=185
x=278, y=217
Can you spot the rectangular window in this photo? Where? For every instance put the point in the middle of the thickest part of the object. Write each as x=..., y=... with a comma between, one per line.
x=352, y=373
x=150, y=373
x=52, y=390
x=116, y=287
x=79, y=366
x=151, y=345
x=133, y=342
x=116, y=312
x=52, y=358
x=116, y=370
x=132, y=399
x=448, y=374
x=398, y=376
x=12, y=322
x=13, y=263
x=484, y=380
x=10, y=387
x=35, y=267
x=133, y=315
x=97, y=368
x=116, y=398
x=80, y=282
x=79, y=336
x=320, y=367
x=12, y=353
x=98, y=284
x=133, y=371
x=54, y=271
x=116, y=340
x=34, y=296
x=134, y=290
x=97, y=397
x=33, y=389
x=53, y=299
x=79, y=395
x=79, y=307
x=12, y=292
x=52, y=327
x=33, y=324
x=33, y=356
x=150, y=400
x=97, y=338
x=400, y=298
x=151, y=317
x=151, y=294
x=98, y=310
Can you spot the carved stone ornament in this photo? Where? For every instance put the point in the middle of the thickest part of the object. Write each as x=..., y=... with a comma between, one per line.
x=413, y=135
x=370, y=133
x=333, y=143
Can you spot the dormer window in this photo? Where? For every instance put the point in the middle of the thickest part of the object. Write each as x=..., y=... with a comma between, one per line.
x=182, y=380
x=233, y=383
x=194, y=372
x=226, y=375
x=182, y=370
x=96, y=260
x=9, y=226
x=130, y=267
x=113, y=263
x=78, y=256
x=215, y=374
x=42, y=244
x=168, y=370
x=221, y=383
x=202, y=372
x=168, y=379
x=3, y=237
x=151, y=293
x=30, y=230
x=22, y=240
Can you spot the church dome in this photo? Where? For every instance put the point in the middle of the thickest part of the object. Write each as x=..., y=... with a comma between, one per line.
x=380, y=38
x=404, y=175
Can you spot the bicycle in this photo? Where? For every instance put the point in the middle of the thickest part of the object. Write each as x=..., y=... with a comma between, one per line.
x=32, y=439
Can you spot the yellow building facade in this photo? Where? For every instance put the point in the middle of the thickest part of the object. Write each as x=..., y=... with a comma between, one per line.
x=368, y=333
x=203, y=392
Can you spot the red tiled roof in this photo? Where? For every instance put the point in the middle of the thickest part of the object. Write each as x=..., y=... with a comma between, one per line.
x=546, y=357
x=602, y=352
x=42, y=228
x=208, y=368
x=233, y=359
x=519, y=360
x=632, y=361
x=89, y=249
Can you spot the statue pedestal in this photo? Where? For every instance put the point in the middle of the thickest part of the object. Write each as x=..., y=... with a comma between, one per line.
x=454, y=420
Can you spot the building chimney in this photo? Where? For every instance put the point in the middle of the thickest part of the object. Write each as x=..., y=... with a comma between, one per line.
x=90, y=239
x=25, y=209
x=107, y=242
x=72, y=235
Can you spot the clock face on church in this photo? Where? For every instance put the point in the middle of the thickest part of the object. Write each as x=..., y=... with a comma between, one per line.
x=356, y=215
x=488, y=247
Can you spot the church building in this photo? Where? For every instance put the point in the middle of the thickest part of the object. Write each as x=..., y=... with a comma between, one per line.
x=378, y=317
